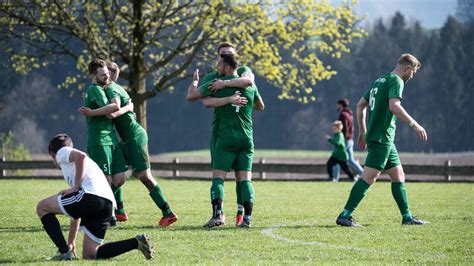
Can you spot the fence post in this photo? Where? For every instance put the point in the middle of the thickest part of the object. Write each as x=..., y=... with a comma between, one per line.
x=447, y=165
x=2, y=171
x=262, y=173
x=175, y=165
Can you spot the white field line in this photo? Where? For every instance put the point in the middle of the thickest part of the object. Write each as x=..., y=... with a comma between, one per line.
x=270, y=233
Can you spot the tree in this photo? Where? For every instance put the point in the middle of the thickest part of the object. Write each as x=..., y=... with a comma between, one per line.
x=157, y=42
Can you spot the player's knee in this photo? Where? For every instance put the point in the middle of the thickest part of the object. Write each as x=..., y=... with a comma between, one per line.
x=40, y=209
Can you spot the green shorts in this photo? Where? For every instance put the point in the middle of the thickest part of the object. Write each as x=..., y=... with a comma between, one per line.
x=381, y=156
x=136, y=152
x=230, y=153
x=109, y=158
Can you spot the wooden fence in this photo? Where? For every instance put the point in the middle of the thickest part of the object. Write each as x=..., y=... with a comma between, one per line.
x=182, y=170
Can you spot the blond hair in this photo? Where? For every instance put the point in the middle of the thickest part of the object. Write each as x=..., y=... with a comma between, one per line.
x=338, y=124
x=410, y=60
x=114, y=70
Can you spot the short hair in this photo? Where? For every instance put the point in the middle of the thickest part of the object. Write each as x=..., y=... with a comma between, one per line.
x=338, y=124
x=114, y=70
x=344, y=102
x=96, y=64
x=410, y=60
x=230, y=60
x=59, y=141
x=224, y=44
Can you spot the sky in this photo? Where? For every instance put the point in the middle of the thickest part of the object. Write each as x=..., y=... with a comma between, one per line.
x=430, y=13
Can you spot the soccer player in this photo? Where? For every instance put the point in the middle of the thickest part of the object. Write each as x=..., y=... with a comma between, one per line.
x=383, y=102
x=101, y=141
x=89, y=202
x=234, y=146
x=134, y=143
x=244, y=80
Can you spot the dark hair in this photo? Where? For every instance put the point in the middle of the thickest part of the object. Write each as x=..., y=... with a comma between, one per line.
x=59, y=141
x=224, y=44
x=230, y=60
x=344, y=102
x=96, y=64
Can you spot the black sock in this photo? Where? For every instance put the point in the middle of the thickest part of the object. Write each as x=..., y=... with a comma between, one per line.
x=113, y=249
x=216, y=207
x=53, y=229
x=248, y=207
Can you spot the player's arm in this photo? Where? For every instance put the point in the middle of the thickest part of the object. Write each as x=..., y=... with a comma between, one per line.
x=193, y=91
x=235, y=99
x=258, y=103
x=397, y=109
x=361, y=113
x=247, y=79
x=73, y=229
x=122, y=110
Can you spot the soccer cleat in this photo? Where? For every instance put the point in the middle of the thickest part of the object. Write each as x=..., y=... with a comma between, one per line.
x=216, y=221
x=349, y=222
x=168, y=220
x=414, y=221
x=245, y=223
x=144, y=245
x=121, y=217
x=62, y=256
x=239, y=218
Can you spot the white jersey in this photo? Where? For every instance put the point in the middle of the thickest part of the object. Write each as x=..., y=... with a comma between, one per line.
x=93, y=181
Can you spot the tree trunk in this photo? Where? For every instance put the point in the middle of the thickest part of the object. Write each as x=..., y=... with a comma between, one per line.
x=137, y=91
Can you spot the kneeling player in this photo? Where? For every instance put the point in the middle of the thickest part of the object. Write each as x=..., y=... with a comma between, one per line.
x=89, y=201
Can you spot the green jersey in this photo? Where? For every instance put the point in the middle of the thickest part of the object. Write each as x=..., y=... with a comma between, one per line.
x=125, y=124
x=339, y=143
x=100, y=130
x=235, y=122
x=206, y=81
x=381, y=123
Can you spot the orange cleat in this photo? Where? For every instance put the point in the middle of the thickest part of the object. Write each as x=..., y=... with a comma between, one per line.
x=121, y=217
x=239, y=219
x=168, y=220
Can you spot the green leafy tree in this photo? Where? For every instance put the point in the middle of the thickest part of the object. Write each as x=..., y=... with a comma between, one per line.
x=157, y=43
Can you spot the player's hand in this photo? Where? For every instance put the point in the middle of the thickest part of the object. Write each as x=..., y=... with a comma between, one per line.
x=72, y=247
x=85, y=111
x=421, y=132
x=361, y=141
x=196, y=76
x=238, y=100
x=327, y=136
x=216, y=85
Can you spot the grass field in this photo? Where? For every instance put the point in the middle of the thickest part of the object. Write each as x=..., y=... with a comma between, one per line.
x=293, y=224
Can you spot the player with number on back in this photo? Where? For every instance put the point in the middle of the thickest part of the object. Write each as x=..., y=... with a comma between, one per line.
x=384, y=102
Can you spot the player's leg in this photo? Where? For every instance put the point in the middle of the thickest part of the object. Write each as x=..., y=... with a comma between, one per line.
x=397, y=176
x=47, y=210
x=119, y=175
x=239, y=217
x=243, y=164
x=375, y=162
x=224, y=156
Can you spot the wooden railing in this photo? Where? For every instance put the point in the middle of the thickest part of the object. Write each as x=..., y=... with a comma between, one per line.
x=181, y=170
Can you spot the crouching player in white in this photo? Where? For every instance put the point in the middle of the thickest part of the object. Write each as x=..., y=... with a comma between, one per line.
x=89, y=201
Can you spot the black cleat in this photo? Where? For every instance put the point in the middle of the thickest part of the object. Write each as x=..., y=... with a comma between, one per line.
x=414, y=221
x=349, y=222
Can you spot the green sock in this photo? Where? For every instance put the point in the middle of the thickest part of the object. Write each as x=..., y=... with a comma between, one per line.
x=248, y=192
x=355, y=197
x=238, y=192
x=399, y=193
x=248, y=196
x=217, y=189
x=160, y=200
x=118, y=195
